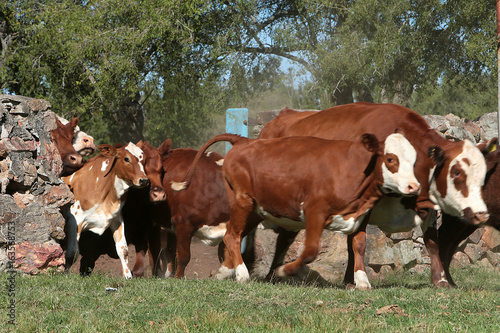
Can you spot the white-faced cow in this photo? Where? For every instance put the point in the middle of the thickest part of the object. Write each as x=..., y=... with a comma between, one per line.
x=453, y=230
x=82, y=142
x=451, y=173
x=99, y=188
x=306, y=183
x=137, y=215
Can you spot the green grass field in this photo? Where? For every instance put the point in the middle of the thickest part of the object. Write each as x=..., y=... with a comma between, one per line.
x=402, y=303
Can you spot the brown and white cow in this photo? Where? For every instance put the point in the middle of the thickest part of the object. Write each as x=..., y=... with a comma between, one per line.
x=99, y=188
x=137, y=218
x=453, y=230
x=306, y=183
x=453, y=186
x=82, y=142
x=63, y=137
x=200, y=211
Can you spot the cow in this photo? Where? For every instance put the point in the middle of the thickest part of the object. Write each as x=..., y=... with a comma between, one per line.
x=454, y=186
x=137, y=218
x=306, y=183
x=200, y=211
x=63, y=137
x=82, y=142
x=100, y=188
x=453, y=230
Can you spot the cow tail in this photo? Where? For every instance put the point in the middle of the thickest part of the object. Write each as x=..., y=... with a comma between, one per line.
x=231, y=138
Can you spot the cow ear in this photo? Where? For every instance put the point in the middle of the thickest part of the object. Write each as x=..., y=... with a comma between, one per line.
x=370, y=142
x=400, y=131
x=74, y=122
x=437, y=154
x=488, y=146
x=139, y=144
x=107, y=150
x=165, y=148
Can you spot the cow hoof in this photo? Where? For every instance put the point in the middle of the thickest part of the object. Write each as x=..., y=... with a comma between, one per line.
x=242, y=274
x=280, y=272
x=224, y=273
x=364, y=287
x=350, y=286
x=442, y=284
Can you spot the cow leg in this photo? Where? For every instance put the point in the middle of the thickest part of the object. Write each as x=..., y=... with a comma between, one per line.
x=355, y=275
x=451, y=232
x=71, y=241
x=239, y=213
x=314, y=228
x=118, y=230
x=283, y=243
x=184, y=234
x=140, y=259
x=162, y=244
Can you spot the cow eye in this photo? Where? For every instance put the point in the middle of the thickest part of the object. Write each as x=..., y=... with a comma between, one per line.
x=127, y=159
x=390, y=160
x=456, y=174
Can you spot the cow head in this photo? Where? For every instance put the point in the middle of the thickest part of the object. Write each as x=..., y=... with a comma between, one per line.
x=62, y=137
x=395, y=161
x=398, y=161
x=127, y=163
x=457, y=180
x=83, y=143
x=154, y=170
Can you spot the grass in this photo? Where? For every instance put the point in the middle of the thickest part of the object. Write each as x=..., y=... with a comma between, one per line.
x=69, y=303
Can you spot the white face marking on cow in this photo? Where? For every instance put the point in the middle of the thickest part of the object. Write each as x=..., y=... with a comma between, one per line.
x=208, y=153
x=211, y=235
x=361, y=280
x=104, y=165
x=137, y=152
x=469, y=166
x=403, y=181
x=220, y=162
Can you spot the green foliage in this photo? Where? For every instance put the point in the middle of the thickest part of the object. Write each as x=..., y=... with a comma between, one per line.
x=153, y=69
x=71, y=303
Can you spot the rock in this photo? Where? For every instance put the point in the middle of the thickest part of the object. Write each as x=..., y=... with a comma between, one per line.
x=379, y=249
x=488, y=126
x=32, y=258
x=405, y=254
x=474, y=252
x=460, y=260
x=491, y=238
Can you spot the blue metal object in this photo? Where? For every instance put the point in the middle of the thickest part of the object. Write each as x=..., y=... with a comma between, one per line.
x=236, y=123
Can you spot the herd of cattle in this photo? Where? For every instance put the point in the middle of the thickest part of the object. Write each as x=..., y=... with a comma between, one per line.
x=337, y=169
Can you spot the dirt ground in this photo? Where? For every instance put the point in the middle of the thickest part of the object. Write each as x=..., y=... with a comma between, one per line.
x=203, y=264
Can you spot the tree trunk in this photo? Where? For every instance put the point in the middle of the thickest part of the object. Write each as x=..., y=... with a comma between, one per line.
x=129, y=125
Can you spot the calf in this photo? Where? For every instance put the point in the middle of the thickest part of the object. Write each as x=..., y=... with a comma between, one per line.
x=137, y=218
x=453, y=185
x=100, y=188
x=306, y=183
x=63, y=137
x=200, y=211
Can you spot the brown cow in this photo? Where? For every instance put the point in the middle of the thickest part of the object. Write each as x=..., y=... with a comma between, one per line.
x=306, y=182
x=453, y=231
x=63, y=137
x=454, y=187
x=200, y=211
x=99, y=188
x=137, y=218
x=82, y=142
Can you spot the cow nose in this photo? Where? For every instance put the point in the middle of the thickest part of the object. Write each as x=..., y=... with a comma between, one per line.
x=75, y=159
x=413, y=188
x=158, y=194
x=143, y=182
x=475, y=218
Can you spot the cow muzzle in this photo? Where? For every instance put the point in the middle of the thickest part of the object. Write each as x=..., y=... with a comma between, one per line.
x=413, y=189
x=143, y=182
x=475, y=218
x=74, y=161
x=157, y=194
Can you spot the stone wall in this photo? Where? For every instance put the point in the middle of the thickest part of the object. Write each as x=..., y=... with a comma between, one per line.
x=31, y=193
x=385, y=253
